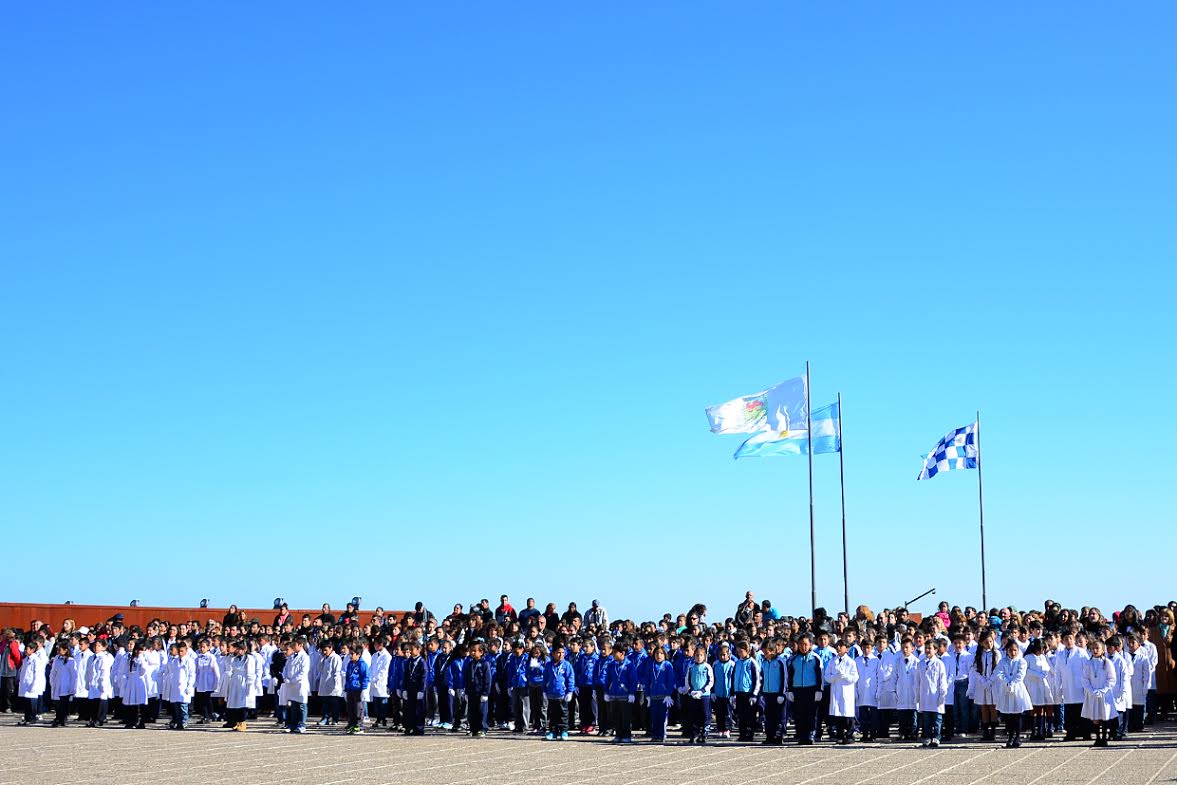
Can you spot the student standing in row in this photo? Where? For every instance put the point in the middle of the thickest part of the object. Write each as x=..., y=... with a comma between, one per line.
x=1099, y=680
x=841, y=678
x=99, y=688
x=1009, y=684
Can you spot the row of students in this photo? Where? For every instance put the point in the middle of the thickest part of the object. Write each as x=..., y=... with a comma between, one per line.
x=634, y=683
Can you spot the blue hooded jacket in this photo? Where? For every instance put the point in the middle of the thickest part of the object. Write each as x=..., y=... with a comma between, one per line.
x=662, y=681
x=355, y=676
x=621, y=680
x=559, y=680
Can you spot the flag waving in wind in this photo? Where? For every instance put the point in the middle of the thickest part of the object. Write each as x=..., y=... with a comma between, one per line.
x=781, y=409
x=957, y=450
x=826, y=438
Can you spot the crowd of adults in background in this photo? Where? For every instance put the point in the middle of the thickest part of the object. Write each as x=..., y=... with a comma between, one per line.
x=493, y=667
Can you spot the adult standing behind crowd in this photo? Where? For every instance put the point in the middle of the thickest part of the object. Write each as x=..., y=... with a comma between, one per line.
x=597, y=616
x=1161, y=635
x=504, y=614
x=528, y=613
x=233, y=618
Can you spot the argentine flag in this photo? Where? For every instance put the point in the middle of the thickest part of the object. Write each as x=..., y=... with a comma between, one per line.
x=826, y=438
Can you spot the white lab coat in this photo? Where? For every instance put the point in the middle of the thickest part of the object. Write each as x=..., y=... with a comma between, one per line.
x=957, y=666
x=841, y=675
x=378, y=673
x=240, y=674
x=137, y=686
x=982, y=685
x=165, y=683
x=296, y=676
x=906, y=680
x=63, y=677
x=1039, y=680
x=118, y=673
x=1009, y=682
x=224, y=663
x=32, y=676
x=259, y=664
x=181, y=679
x=1150, y=649
x=331, y=676
x=933, y=685
x=1142, y=670
x=154, y=663
x=208, y=672
x=1099, y=680
x=1122, y=692
x=886, y=697
x=866, y=689
x=99, y=685
x=1070, y=666
x=267, y=653
x=82, y=687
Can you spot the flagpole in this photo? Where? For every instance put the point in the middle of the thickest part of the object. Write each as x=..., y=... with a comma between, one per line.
x=842, y=480
x=812, y=548
x=981, y=507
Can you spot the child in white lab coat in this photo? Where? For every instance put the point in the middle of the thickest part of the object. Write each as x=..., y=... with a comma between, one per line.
x=330, y=684
x=1142, y=670
x=933, y=692
x=906, y=688
x=63, y=682
x=99, y=685
x=1009, y=684
x=1122, y=692
x=983, y=684
x=1040, y=687
x=866, y=689
x=181, y=685
x=31, y=683
x=1099, y=680
x=841, y=676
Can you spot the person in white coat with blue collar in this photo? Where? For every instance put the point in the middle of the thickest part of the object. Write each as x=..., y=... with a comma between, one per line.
x=841, y=675
x=1099, y=683
x=296, y=676
x=933, y=692
x=1012, y=696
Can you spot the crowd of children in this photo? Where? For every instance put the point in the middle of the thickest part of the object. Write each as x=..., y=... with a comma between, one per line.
x=955, y=674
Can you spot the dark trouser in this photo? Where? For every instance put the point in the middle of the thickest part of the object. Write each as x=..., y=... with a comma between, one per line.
x=621, y=712
x=445, y=712
x=101, y=707
x=640, y=711
x=8, y=693
x=604, y=722
x=521, y=709
x=1136, y=718
x=1077, y=724
x=63, y=704
x=431, y=702
x=380, y=711
x=700, y=716
x=908, y=723
x=1013, y=725
x=883, y=720
x=774, y=718
x=82, y=707
x=355, y=705
x=414, y=720
x=746, y=715
x=504, y=709
x=30, y=709
x=535, y=696
x=930, y=723
x=949, y=723
x=557, y=715
x=330, y=707
x=458, y=708
x=805, y=712
x=587, y=698
x=658, y=717
x=296, y=715
x=961, y=707
x=135, y=715
x=152, y=709
x=823, y=713
x=866, y=721
x=476, y=712
x=723, y=714
x=573, y=710
x=202, y=704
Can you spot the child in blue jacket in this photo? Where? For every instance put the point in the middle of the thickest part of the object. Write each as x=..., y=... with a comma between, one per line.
x=586, y=696
x=515, y=677
x=621, y=686
x=559, y=689
x=661, y=685
x=534, y=667
x=724, y=668
x=355, y=681
x=455, y=682
x=600, y=678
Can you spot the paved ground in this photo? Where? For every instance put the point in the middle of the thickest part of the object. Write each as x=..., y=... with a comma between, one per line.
x=261, y=756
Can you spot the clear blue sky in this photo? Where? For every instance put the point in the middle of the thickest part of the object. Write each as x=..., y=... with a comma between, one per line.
x=426, y=302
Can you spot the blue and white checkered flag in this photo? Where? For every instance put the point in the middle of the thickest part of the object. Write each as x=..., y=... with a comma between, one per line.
x=957, y=450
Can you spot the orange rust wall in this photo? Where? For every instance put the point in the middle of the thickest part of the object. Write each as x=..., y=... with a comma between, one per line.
x=19, y=615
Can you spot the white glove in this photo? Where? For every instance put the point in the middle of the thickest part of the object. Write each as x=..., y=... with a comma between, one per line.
x=568, y=697
x=630, y=699
x=453, y=692
x=668, y=701
x=484, y=698
x=420, y=696
x=682, y=690
x=817, y=695
x=404, y=695
x=789, y=695
x=780, y=699
x=696, y=694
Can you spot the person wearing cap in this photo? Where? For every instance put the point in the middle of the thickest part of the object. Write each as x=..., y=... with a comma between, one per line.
x=597, y=616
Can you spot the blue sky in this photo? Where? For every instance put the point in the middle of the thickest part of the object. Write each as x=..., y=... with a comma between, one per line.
x=426, y=302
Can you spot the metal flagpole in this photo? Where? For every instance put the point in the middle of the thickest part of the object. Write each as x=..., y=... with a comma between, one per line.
x=812, y=548
x=842, y=479
x=981, y=503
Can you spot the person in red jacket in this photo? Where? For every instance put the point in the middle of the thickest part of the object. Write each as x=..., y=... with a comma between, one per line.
x=10, y=659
